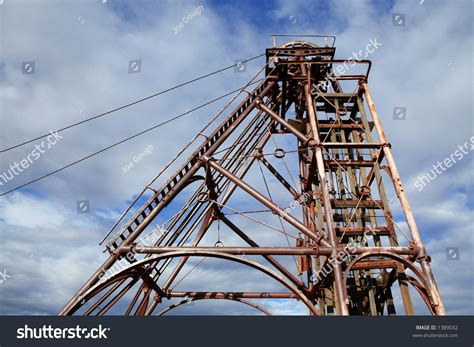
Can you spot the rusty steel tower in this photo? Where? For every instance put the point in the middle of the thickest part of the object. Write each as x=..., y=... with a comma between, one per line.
x=306, y=155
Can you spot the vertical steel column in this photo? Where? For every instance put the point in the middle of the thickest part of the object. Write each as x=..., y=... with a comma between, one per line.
x=404, y=290
x=339, y=286
x=423, y=258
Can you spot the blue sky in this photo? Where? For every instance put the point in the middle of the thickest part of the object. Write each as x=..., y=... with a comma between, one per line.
x=81, y=52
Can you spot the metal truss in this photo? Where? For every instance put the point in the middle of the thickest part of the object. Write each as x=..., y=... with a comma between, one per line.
x=344, y=240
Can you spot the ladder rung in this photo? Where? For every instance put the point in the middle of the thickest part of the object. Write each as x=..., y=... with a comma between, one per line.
x=352, y=144
x=336, y=163
x=383, y=231
x=374, y=264
x=341, y=203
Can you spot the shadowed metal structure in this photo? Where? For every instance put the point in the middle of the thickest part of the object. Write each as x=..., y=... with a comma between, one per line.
x=322, y=188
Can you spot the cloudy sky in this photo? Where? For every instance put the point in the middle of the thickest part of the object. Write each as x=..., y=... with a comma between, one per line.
x=64, y=61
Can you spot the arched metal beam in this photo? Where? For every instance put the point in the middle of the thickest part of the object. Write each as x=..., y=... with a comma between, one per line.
x=422, y=291
x=131, y=271
x=185, y=301
x=420, y=287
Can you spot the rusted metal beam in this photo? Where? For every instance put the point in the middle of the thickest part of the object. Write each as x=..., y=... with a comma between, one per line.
x=222, y=295
x=267, y=202
x=269, y=258
x=224, y=250
x=277, y=175
x=423, y=257
x=352, y=144
x=338, y=163
x=340, y=290
x=363, y=203
x=375, y=264
x=284, y=123
x=351, y=231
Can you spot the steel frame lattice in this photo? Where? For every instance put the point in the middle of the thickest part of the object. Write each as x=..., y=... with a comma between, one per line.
x=345, y=241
